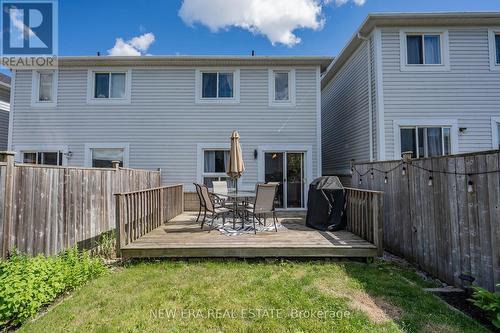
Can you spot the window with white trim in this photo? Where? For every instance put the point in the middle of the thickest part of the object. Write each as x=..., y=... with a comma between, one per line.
x=424, y=50
x=43, y=157
x=494, y=46
x=110, y=85
x=44, y=90
x=281, y=86
x=104, y=157
x=425, y=141
x=215, y=164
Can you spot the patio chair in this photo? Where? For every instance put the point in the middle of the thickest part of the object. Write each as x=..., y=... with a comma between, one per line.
x=264, y=204
x=218, y=202
x=220, y=187
x=212, y=208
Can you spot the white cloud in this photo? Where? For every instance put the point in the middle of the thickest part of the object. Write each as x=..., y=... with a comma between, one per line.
x=134, y=47
x=339, y=3
x=276, y=19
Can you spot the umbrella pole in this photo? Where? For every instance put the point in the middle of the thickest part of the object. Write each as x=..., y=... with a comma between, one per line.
x=236, y=180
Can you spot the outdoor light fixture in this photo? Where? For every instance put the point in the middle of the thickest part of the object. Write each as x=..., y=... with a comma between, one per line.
x=360, y=181
x=371, y=175
x=470, y=186
x=255, y=154
x=403, y=172
x=385, y=179
x=68, y=154
x=462, y=129
x=430, y=181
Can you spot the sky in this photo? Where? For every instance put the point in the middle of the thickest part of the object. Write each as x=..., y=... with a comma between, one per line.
x=226, y=27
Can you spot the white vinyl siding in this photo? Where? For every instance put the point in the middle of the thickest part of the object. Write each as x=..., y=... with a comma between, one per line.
x=163, y=124
x=469, y=92
x=345, y=115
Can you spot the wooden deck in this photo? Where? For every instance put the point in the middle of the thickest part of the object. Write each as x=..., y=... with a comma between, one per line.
x=182, y=237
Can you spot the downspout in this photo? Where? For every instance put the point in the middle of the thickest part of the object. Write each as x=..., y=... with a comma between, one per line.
x=370, y=106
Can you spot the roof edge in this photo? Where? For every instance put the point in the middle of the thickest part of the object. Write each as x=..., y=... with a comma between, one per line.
x=383, y=19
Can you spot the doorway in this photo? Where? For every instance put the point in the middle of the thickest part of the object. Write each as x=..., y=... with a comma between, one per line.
x=287, y=168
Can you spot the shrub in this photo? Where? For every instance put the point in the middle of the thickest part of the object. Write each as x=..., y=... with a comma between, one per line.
x=27, y=284
x=489, y=302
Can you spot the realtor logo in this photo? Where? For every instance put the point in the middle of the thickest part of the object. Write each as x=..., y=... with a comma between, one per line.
x=29, y=33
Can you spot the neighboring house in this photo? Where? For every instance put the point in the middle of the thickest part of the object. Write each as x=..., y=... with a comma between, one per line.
x=177, y=114
x=4, y=110
x=426, y=83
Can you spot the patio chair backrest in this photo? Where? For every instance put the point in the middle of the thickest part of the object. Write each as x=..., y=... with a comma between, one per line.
x=264, y=200
x=220, y=187
x=209, y=205
x=200, y=196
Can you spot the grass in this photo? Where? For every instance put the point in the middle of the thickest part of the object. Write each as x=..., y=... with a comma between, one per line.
x=239, y=296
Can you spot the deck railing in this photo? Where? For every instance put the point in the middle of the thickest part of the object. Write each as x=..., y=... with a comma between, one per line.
x=365, y=215
x=139, y=212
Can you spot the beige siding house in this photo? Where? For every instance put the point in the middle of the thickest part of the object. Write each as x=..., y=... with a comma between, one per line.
x=426, y=83
x=177, y=114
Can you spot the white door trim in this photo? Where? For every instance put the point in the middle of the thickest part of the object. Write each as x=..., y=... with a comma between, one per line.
x=308, y=165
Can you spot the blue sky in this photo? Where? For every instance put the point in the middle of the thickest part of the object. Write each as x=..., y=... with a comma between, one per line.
x=86, y=27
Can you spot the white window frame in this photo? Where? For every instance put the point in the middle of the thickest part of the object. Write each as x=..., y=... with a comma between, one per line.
x=91, y=86
x=63, y=149
x=90, y=146
x=494, y=66
x=35, y=89
x=406, y=123
x=200, y=161
x=291, y=86
x=445, y=53
x=217, y=100
x=495, y=121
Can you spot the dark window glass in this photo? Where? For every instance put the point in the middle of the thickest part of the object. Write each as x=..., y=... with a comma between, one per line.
x=103, y=157
x=49, y=158
x=101, y=85
x=408, y=141
x=497, y=43
x=209, y=86
x=414, y=50
x=226, y=85
x=29, y=158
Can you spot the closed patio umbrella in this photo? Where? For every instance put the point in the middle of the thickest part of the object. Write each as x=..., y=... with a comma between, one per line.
x=236, y=166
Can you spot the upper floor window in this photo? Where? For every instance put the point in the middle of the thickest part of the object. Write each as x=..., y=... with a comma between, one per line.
x=217, y=86
x=44, y=84
x=281, y=87
x=425, y=141
x=494, y=41
x=43, y=157
x=111, y=86
x=424, y=51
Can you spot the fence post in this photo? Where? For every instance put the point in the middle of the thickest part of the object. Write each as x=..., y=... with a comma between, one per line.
x=119, y=227
x=378, y=223
x=162, y=190
x=8, y=157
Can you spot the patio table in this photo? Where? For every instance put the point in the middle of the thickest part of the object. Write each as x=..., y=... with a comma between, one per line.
x=237, y=197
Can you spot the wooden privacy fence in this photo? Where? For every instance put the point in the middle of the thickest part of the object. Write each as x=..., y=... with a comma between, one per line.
x=443, y=214
x=365, y=217
x=46, y=209
x=139, y=212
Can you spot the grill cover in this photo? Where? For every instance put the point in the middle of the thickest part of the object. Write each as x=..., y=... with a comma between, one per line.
x=325, y=204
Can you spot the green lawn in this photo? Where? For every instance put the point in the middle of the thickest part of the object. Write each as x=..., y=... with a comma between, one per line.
x=238, y=296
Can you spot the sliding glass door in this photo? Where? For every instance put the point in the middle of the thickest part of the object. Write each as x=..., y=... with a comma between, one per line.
x=287, y=169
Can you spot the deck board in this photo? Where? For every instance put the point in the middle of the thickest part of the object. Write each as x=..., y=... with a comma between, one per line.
x=182, y=237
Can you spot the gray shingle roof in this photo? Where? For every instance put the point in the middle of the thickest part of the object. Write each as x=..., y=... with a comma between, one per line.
x=4, y=78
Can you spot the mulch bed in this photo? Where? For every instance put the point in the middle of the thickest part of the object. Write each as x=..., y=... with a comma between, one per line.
x=459, y=300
